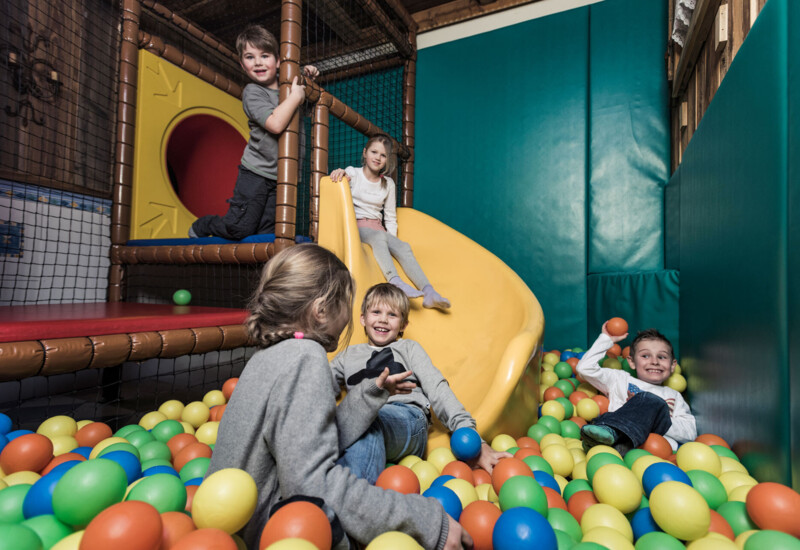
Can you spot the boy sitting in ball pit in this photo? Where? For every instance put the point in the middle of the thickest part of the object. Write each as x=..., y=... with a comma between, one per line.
x=638, y=406
x=400, y=424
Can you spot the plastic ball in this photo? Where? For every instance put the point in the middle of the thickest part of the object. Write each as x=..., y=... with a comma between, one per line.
x=538, y=463
x=642, y=523
x=503, y=442
x=447, y=498
x=602, y=402
x=206, y=539
x=195, y=413
x=562, y=520
x=559, y=458
x=608, y=538
x=425, y=472
x=660, y=472
x=87, y=489
x=61, y=459
x=659, y=541
x=774, y=540
x=58, y=425
x=18, y=537
x=207, y=433
x=552, y=424
x=464, y=490
x=28, y=452
x=195, y=468
x=174, y=526
x=735, y=513
x=507, y=468
x=479, y=518
x=680, y=510
x=676, y=381
x=588, y=409
x=127, y=430
x=399, y=478
x=548, y=378
x=12, y=500
x=732, y=480
x=298, y=519
x=226, y=500
x=70, y=542
x=597, y=460
x=552, y=393
x=165, y=492
x=440, y=457
x=130, y=525
x=149, y=420
x=569, y=408
x=720, y=525
x=519, y=528
x=657, y=445
x=140, y=438
x=605, y=515
x=617, y=326
x=166, y=429
x=125, y=447
x=546, y=480
x=190, y=452
x=554, y=409
x=39, y=498
x=616, y=485
x=181, y=297
x=523, y=491
x=481, y=476
x=574, y=486
x=465, y=443
x=538, y=431
x=563, y=369
x=160, y=469
x=228, y=387
x=214, y=397
x=393, y=540
x=552, y=439
x=711, y=439
x=709, y=486
x=565, y=385
x=775, y=507
x=485, y=492
x=93, y=433
x=460, y=470
x=570, y=429
x=172, y=409
x=178, y=442
x=580, y=502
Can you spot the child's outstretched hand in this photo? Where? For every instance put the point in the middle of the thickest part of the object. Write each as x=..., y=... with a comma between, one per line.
x=457, y=536
x=338, y=174
x=298, y=91
x=614, y=339
x=311, y=72
x=394, y=384
x=489, y=458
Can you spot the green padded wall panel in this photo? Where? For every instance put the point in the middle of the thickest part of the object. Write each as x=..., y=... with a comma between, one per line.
x=501, y=154
x=629, y=129
x=793, y=244
x=672, y=221
x=646, y=300
x=733, y=254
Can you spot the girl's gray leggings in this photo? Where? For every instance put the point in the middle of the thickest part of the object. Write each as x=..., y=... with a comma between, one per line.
x=384, y=247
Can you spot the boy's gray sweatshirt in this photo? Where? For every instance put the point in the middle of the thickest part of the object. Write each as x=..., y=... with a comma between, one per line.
x=280, y=427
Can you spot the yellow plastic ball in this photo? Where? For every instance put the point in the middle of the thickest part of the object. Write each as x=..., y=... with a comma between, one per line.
x=441, y=457
x=548, y=378
x=23, y=477
x=605, y=515
x=548, y=366
x=292, y=544
x=678, y=369
x=81, y=423
x=105, y=443
x=732, y=480
x=588, y=409
x=729, y=464
x=562, y=482
x=542, y=389
x=3, y=484
x=225, y=500
x=588, y=389
x=503, y=442
x=485, y=491
x=393, y=540
x=214, y=397
x=57, y=425
x=677, y=382
x=597, y=449
x=172, y=409
x=607, y=538
x=207, y=433
x=616, y=485
x=550, y=359
x=426, y=473
x=739, y=494
x=559, y=458
x=579, y=471
x=577, y=454
x=195, y=413
x=70, y=542
x=187, y=428
x=642, y=463
x=612, y=363
x=551, y=439
x=554, y=409
x=712, y=541
x=409, y=460
x=680, y=510
x=149, y=420
x=698, y=456
x=573, y=443
x=464, y=490
x=63, y=444
x=131, y=486
x=742, y=537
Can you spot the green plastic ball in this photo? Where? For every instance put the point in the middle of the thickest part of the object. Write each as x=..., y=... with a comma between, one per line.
x=166, y=429
x=570, y=429
x=632, y=455
x=735, y=513
x=565, y=386
x=523, y=491
x=127, y=447
x=535, y=463
x=724, y=451
x=774, y=540
x=194, y=468
x=563, y=369
x=165, y=492
x=569, y=408
x=11, y=499
x=564, y=521
x=154, y=449
x=48, y=529
x=87, y=489
x=137, y=438
x=155, y=462
x=598, y=461
x=658, y=540
x=574, y=486
x=182, y=297
x=709, y=486
x=18, y=537
x=564, y=541
x=551, y=423
x=538, y=431
x=126, y=430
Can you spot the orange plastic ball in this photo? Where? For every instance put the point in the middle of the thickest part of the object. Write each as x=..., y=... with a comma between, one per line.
x=209, y=538
x=554, y=500
x=215, y=413
x=300, y=520
x=92, y=434
x=774, y=506
x=720, y=525
x=478, y=519
x=626, y=351
x=711, y=439
x=61, y=459
x=581, y=422
x=602, y=402
x=228, y=386
x=657, y=445
x=506, y=468
x=573, y=362
x=178, y=442
x=190, y=491
x=527, y=451
x=579, y=502
x=617, y=326
x=129, y=525
x=460, y=470
x=30, y=452
x=576, y=396
x=552, y=393
x=190, y=452
x=176, y=525
x=481, y=476
x=401, y=479
x=526, y=442
x=614, y=351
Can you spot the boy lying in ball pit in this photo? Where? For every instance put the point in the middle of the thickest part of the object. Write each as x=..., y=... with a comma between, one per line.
x=637, y=405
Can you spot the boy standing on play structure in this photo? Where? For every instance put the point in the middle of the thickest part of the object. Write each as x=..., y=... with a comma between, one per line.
x=400, y=426
x=638, y=406
x=252, y=207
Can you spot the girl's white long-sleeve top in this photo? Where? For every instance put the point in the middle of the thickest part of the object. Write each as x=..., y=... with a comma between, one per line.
x=374, y=200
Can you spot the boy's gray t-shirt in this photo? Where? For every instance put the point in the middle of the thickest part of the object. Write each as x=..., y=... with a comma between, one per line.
x=261, y=153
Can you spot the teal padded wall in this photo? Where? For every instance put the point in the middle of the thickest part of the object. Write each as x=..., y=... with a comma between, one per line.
x=501, y=154
x=733, y=254
x=793, y=241
x=509, y=125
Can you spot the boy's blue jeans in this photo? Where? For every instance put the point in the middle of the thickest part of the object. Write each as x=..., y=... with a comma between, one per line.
x=641, y=415
x=400, y=430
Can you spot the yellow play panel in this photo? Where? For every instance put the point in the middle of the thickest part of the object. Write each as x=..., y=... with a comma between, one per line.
x=168, y=96
x=488, y=345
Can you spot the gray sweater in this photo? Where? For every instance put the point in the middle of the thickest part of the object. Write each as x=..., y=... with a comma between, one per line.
x=432, y=391
x=280, y=426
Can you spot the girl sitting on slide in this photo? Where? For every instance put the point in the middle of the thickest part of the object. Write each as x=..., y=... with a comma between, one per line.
x=375, y=205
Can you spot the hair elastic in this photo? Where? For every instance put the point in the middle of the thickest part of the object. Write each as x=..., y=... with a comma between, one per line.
x=299, y=335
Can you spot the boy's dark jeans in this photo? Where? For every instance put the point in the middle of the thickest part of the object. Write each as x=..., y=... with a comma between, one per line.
x=251, y=211
x=643, y=414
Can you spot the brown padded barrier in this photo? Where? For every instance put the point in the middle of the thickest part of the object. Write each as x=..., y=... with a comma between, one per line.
x=236, y=253
x=63, y=355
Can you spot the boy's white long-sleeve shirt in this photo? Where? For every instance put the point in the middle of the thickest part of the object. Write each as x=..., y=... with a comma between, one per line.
x=616, y=385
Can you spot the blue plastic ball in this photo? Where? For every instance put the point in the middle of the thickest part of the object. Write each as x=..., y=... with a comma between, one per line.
x=193, y=481
x=159, y=470
x=660, y=472
x=3, y=441
x=129, y=463
x=5, y=424
x=448, y=498
x=546, y=480
x=465, y=443
x=16, y=433
x=522, y=528
x=567, y=355
x=39, y=498
x=85, y=452
x=441, y=480
x=642, y=523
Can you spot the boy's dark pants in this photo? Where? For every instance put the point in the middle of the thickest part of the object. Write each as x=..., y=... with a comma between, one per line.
x=643, y=414
x=251, y=211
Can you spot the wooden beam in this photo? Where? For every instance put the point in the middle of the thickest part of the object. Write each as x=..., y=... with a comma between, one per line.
x=699, y=30
x=461, y=10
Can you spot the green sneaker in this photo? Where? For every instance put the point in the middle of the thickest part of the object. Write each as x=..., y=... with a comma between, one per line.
x=592, y=435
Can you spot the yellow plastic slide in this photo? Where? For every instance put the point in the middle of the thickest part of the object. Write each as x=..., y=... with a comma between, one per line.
x=488, y=345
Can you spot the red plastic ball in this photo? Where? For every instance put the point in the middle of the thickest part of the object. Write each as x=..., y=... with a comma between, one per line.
x=554, y=500
x=208, y=538
x=481, y=476
x=190, y=491
x=459, y=470
x=617, y=326
x=602, y=402
x=711, y=439
x=216, y=412
x=507, y=468
x=190, y=452
x=30, y=452
x=552, y=393
x=176, y=525
x=478, y=519
x=526, y=452
x=774, y=506
x=178, y=442
x=129, y=525
x=526, y=442
x=401, y=479
x=720, y=525
x=579, y=502
x=657, y=445
x=92, y=434
x=61, y=459
x=300, y=520
x=228, y=387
